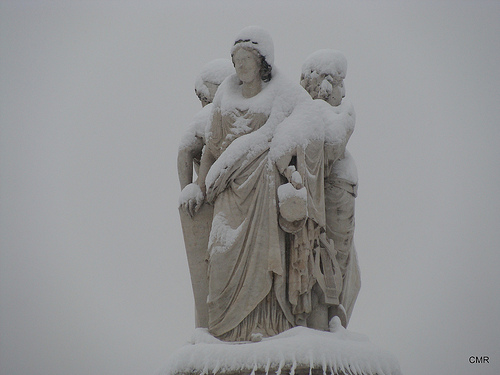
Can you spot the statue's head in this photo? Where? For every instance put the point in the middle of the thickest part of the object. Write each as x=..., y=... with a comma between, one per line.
x=253, y=53
x=210, y=78
x=323, y=75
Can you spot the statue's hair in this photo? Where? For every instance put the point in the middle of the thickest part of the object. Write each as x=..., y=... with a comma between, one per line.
x=265, y=68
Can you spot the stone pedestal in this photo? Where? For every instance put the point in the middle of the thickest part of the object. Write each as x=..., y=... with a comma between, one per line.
x=298, y=351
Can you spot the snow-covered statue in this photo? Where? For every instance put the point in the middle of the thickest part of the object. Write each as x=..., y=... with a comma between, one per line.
x=323, y=75
x=271, y=265
x=196, y=229
x=268, y=224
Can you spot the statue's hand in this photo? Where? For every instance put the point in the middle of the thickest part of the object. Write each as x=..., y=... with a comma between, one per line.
x=294, y=177
x=191, y=199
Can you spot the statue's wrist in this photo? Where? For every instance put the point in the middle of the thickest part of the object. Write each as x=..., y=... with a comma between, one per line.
x=203, y=189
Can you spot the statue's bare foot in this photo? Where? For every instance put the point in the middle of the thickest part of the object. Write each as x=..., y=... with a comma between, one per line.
x=256, y=337
x=335, y=324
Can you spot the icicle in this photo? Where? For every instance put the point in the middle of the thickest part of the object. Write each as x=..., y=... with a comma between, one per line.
x=379, y=369
x=311, y=362
x=268, y=364
x=355, y=367
x=191, y=358
x=294, y=366
x=340, y=367
x=336, y=363
x=352, y=370
x=216, y=368
x=332, y=372
x=347, y=365
x=282, y=363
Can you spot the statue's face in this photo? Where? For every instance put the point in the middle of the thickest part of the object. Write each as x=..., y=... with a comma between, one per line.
x=322, y=86
x=311, y=83
x=212, y=89
x=247, y=65
x=338, y=93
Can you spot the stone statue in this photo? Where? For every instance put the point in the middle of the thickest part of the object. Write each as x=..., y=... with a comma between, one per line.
x=323, y=75
x=196, y=229
x=271, y=263
x=269, y=222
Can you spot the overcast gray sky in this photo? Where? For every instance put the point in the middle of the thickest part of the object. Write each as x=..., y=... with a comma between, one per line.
x=94, y=97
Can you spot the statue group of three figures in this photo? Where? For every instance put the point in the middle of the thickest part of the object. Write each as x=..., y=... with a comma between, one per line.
x=269, y=221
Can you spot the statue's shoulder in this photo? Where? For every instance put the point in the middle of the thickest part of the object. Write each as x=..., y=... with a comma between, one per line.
x=227, y=89
x=197, y=128
x=346, y=108
x=202, y=120
x=345, y=169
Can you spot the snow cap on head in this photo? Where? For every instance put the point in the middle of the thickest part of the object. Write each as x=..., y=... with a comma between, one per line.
x=214, y=72
x=326, y=61
x=256, y=38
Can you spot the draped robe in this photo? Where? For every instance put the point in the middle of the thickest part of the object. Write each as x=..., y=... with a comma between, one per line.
x=246, y=246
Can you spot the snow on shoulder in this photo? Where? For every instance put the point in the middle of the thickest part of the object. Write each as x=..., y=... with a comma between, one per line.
x=299, y=348
x=197, y=127
x=278, y=99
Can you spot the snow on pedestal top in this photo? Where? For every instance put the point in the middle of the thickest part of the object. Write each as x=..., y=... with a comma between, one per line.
x=339, y=352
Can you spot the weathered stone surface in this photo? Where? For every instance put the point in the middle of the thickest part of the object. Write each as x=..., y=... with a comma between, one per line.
x=268, y=242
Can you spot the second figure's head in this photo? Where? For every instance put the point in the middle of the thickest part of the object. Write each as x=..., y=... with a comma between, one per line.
x=323, y=75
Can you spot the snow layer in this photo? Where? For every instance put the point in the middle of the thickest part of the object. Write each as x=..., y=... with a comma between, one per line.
x=298, y=347
x=214, y=72
x=326, y=61
x=190, y=191
x=197, y=127
x=346, y=169
x=256, y=38
x=294, y=121
x=222, y=234
x=278, y=99
x=287, y=191
x=342, y=123
x=313, y=120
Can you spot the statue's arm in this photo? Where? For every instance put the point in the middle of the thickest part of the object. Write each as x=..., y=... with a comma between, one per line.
x=185, y=167
x=207, y=160
x=338, y=133
x=192, y=196
x=185, y=159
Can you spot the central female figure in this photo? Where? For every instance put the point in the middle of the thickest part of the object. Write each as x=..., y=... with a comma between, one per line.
x=247, y=271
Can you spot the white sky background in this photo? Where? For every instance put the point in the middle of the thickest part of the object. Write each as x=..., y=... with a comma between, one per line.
x=94, y=97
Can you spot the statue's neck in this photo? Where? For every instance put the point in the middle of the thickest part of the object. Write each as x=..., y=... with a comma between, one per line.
x=250, y=89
